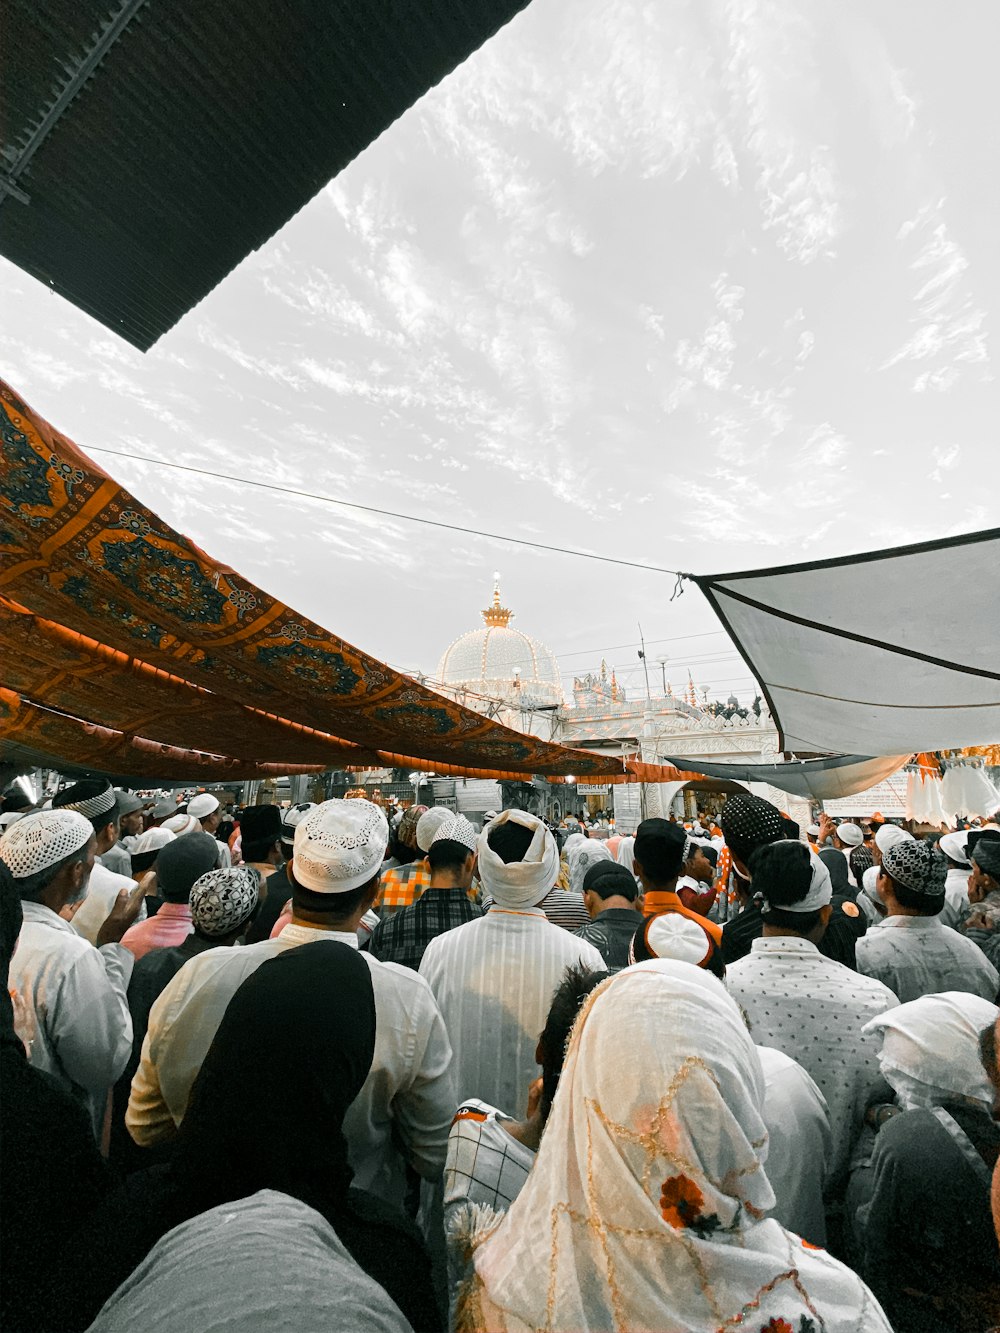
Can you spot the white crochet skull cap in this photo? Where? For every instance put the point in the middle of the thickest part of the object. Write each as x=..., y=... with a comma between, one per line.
x=339, y=846
x=429, y=823
x=43, y=839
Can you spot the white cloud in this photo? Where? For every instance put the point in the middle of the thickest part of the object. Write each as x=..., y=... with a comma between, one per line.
x=948, y=327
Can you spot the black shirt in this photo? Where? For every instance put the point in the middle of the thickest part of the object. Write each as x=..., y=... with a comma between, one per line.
x=610, y=932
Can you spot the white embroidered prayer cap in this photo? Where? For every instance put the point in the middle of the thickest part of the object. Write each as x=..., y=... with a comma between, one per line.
x=153, y=840
x=456, y=829
x=178, y=825
x=429, y=823
x=43, y=839
x=889, y=835
x=339, y=846
x=850, y=834
x=202, y=805
x=954, y=847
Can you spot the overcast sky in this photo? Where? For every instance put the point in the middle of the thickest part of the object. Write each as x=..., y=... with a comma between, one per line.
x=705, y=285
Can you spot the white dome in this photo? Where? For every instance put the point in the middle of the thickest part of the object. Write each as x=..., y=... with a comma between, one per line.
x=502, y=663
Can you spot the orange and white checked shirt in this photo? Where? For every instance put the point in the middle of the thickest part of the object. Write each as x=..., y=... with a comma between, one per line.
x=403, y=885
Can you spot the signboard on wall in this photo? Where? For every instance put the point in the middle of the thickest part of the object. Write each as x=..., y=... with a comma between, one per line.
x=628, y=807
x=592, y=788
x=886, y=798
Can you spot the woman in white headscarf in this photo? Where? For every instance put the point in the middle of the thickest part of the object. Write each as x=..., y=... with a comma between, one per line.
x=582, y=856
x=647, y=1205
x=626, y=853
x=919, y=1209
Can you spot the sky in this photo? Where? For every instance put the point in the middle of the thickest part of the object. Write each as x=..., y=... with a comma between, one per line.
x=707, y=286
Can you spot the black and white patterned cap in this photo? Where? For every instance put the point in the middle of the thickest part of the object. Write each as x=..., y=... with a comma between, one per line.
x=750, y=820
x=92, y=797
x=223, y=900
x=917, y=866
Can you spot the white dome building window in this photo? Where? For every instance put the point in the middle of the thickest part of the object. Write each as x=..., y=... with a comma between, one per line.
x=502, y=664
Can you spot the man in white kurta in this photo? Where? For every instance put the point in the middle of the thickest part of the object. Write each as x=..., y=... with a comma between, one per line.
x=956, y=886
x=409, y=1094
x=73, y=996
x=914, y=954
x=96, y=800
x=806, y=1005
x=494, y=978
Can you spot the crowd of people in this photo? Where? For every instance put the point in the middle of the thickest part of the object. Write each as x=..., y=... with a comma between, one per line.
x=321, y=1068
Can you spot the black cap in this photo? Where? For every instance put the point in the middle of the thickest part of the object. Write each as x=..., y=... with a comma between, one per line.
x=260, y=822
x=608, y=879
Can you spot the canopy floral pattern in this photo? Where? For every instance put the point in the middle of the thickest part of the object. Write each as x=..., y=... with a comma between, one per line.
x=126, y=645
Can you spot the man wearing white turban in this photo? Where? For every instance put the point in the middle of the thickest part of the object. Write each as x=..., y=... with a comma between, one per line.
x=494, y=978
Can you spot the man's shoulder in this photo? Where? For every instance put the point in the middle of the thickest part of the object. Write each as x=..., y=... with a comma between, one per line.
x=397, y=979
x=390, y=926
x=573, y=948
x=224, y=968
x=456, y=938
x=103, y=878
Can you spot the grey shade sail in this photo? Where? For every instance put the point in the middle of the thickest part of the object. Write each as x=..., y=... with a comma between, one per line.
x=819, y=779
x=889, y=652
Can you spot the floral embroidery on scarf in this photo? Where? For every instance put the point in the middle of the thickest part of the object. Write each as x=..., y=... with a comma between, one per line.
x=806, y=1325
x=681, y=1204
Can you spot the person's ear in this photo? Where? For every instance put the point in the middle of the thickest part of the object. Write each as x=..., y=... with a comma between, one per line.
x=825, y=913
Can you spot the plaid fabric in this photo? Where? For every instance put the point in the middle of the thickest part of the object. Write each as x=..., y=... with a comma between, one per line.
x=402, y=886
x=485, y=1165
x=403, y=937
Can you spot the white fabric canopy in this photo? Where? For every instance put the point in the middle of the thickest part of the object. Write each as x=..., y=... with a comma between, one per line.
x=884, y=653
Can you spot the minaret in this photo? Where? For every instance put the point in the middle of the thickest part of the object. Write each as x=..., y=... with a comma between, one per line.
x=497, y=616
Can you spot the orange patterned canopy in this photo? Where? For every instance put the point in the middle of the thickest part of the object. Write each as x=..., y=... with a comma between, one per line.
x=127, y=648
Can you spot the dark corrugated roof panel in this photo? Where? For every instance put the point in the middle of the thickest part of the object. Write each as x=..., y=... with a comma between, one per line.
x=200, y=131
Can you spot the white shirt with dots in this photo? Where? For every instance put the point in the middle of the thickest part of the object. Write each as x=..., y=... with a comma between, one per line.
x=813, y=1009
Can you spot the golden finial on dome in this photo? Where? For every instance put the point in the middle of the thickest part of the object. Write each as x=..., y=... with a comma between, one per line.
x=497, y=616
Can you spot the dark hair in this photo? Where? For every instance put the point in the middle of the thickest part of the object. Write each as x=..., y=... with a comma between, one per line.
x=447, y=854
x=31, y=887
x=860, y=859
x=510, y=841
x=836, y=863
x=398, y=851
x=925, y=904
x=988, y=1053
x=258, y=849
x=782, y=873
x=576, y=985
x=610, y=880
x=659, y=849
x=336, y=906
x=14, y=799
